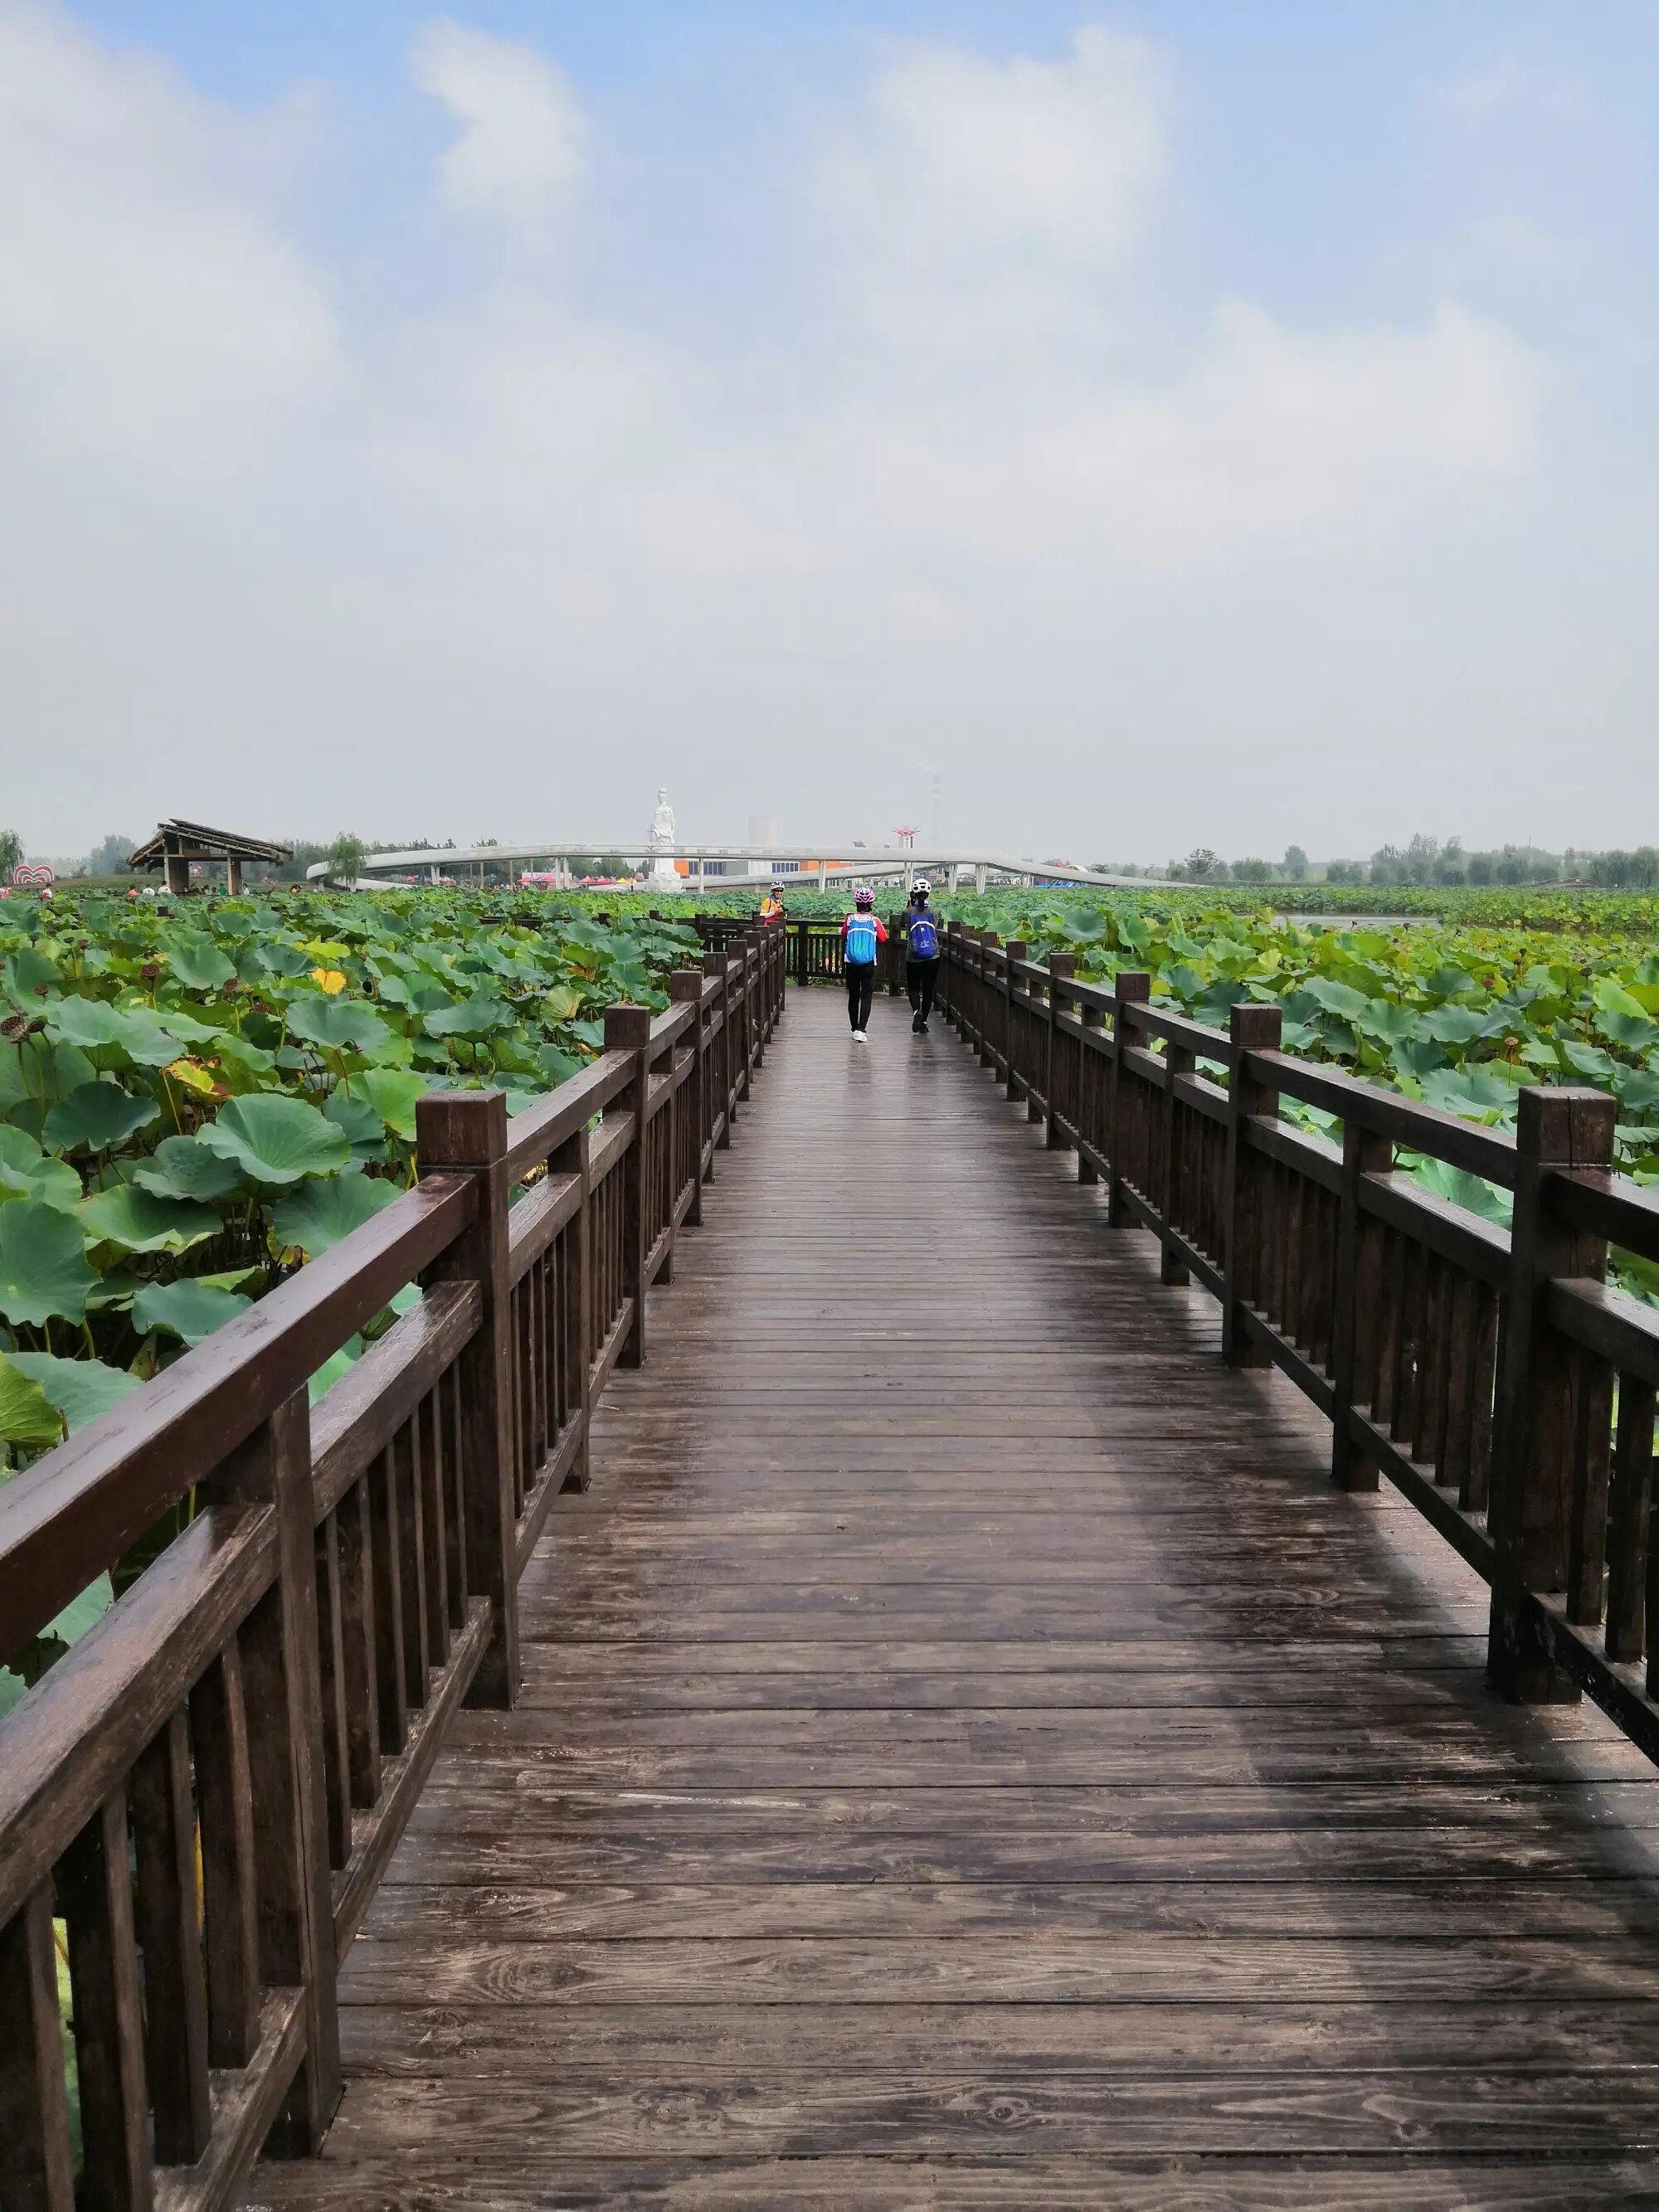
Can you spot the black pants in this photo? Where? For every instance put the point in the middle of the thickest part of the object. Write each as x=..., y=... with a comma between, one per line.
x=921, y=980
x=860, y=990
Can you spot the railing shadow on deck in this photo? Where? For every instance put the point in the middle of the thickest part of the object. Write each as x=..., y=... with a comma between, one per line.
x=1492, y=1375
x=205, y=1792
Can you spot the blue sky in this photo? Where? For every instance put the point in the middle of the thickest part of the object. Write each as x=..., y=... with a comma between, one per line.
x=1172, y=424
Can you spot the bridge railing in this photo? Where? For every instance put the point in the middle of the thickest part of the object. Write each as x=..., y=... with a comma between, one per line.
x=1491, y=1373
x=198, y=1800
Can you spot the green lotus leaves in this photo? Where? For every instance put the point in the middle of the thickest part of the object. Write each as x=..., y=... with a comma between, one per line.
x=44, y=1274
x=276, y=1139
x=28, y=1172
x=473, y=1017
x=198, y=963
x=28, y=1419
x=315, y=1218
x=1338, y=999
x=284, y=960
x=97, y=1116
x=78, y=1389
x=184, y=1167
x=340, y=1024
x=26, y=974
x=393, y=1092
x=139, y=1220
x=365, y=1130
x=188, y=1309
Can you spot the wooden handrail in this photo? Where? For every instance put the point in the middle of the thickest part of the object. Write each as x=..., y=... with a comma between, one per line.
x=1477, y=1367
x=215, y=1776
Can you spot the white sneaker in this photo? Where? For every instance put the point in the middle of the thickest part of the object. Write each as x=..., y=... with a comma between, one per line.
x=859, y=1037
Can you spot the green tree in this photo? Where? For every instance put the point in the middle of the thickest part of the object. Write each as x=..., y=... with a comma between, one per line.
x=1202, y=865
x=1296, y=864
x=11, y=851
x=1253, y=872
x=111, y=858
x=346, y=856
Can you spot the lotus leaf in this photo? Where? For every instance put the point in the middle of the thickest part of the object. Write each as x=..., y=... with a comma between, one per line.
x=96, y=1115
x=392, y=1091
x=27, y=1417
x=338, y=1025
x=276, y=1140
x=190, y=1310
x=198, y=963
x=365, y=1131
x=80, y=1389
x=1338, y=999
x=473, y=1017
x=314, y=1219
x=139, y=1220
x=285, y=960
x=27, y=973
x=26, y=1172
x=44, y=1275
x=184, y=1167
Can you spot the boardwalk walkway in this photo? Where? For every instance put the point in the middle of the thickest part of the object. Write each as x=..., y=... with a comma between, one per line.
x=969, y=1756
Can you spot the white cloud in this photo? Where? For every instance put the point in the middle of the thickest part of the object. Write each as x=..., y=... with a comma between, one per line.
x=524, y=142
x=578, y=550
x=146, y=307
x=1482, y=91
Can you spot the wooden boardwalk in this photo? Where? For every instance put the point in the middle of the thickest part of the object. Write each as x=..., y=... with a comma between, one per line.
x=969, y=1756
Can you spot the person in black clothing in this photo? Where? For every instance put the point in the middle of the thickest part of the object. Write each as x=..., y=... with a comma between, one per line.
x=922, y=954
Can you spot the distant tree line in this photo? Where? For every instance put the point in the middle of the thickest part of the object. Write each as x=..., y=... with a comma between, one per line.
x=1423, y=860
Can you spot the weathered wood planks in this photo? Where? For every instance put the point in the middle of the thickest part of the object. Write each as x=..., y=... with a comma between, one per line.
x=970, y=1757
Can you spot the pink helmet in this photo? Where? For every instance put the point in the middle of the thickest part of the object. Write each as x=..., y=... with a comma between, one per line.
x=863, y=895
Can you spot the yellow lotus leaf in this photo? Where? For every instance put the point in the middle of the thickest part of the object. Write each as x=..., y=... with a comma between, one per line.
x=328, y=979
x=195, y=1078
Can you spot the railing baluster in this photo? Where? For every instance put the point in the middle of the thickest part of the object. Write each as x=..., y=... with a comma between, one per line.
x=96, y=1895
x=35, y=2172
x=166, y=1899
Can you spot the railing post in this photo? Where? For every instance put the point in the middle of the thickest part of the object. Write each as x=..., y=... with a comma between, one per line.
x=1178, y=1060
x=1540, y=1379
x=628, y=1029
x=1018, y=950
x=578, y=1349
x=464, y=1132
x=746, y=1057
x=685, y=988
x=1062, y=967
x=982, y=1018
x=1252, y=1028
x=754, y=961
x=1089, y=1065
x=1363, y=1154
x=280, y=1674
x=715, y=964
x=1131, y=986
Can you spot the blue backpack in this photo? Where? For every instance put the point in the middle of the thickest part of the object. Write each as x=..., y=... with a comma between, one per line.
x=861, y=950
x=924, y=937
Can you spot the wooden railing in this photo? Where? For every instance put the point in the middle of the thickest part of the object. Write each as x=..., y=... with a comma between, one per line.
x=1492, y=1374
x=198, y=1801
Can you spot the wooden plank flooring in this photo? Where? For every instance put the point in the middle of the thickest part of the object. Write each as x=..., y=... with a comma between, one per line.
x=970, y=1758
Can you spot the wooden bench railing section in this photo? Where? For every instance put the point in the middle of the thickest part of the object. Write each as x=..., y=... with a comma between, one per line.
x=1492, y=1375
x=204, y=1791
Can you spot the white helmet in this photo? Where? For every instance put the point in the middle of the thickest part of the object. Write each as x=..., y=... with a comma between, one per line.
x=921, y=884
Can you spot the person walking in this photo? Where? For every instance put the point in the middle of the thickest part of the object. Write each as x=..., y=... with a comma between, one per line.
x=862, y=932
x=922, y=954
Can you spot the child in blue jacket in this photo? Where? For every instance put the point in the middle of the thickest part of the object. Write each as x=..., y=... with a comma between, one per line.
x=861, y=933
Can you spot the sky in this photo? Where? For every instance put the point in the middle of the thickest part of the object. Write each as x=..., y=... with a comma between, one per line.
x=1167, y=425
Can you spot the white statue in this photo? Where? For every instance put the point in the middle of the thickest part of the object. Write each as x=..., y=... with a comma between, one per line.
x=663, y=875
